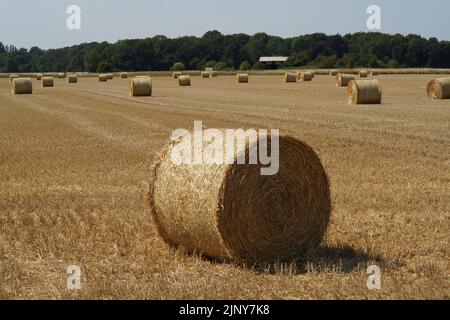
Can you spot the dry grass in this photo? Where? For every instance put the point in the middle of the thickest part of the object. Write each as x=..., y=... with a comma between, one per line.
x=74, y=167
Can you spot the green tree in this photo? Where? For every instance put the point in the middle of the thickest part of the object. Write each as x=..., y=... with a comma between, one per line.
x=370, y=49
x=325, y=62
x=105, y=66
x=245, y=65
x=178, y=66
x=393, y=64
x=258, y=66
x=220, y=66
x=298, y=59
x=210, y=64
x=257, y=46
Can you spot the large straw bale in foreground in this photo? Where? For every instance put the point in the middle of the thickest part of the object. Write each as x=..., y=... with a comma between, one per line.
x=232, y=212
x=140, y=87
x=184, y=81
x=342, y=80
x=22, y=86
x=439, y=88
x=47, y=82
x=364, y=92
x=242, y=78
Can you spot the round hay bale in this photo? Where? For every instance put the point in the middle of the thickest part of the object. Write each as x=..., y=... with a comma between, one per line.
x=102, y=77
x=306, y=76
x=109, y=76
x=47, y=82
x=184, y=81
x=232, y=212
x=333, y=73
x=12, y=77
x=22, y=86
x=363, y=74
x=342, y=80
x=205, y=74
x=214, y=74
x=374, y=73
x=242, y=78
x=72, y=78
x=61, y=75
x=123, y=75
x=175, y=75
x=290, y=77
x=364, y=92
x=140, y=87
x=39, y=76
x=439, y=88
x=313, y=74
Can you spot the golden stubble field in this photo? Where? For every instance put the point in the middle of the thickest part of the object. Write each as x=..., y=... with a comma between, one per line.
x=74, y=168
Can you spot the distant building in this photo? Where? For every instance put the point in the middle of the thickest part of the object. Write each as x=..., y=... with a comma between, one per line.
x=273, y=62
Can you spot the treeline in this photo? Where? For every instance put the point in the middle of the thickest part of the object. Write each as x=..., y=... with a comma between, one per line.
x=237, y=51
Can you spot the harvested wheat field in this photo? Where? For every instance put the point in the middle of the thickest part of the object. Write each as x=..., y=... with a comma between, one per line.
x=75, y=166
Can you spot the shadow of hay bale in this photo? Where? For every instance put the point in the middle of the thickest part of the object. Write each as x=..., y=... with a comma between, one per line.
x=339, y=259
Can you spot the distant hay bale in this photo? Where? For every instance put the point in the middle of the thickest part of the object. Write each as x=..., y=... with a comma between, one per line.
x=72, y=78
x=109, y=76
x=439, y=88
x=175, y=75
x=313, y=74
x=61, y=75
x=39, y=76
x=290, y=77
x=102, y=77
x=364, y=92
x=306, y=76
x=47, y=82
x=13, y=76
x=374, y=73
x=363, y=73
x=123, y=75
x=242, y=78
x=184, y=81
x=214, y=74
x=22, y=86
x=232, y=212
x=140, y=87
x=342, y=80
x=205, y=74
x=333, y=73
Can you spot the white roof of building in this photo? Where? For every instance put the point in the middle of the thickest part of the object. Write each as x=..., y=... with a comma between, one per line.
x=273, y=59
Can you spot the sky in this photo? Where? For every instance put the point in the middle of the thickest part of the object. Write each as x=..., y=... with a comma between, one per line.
x=42, y=23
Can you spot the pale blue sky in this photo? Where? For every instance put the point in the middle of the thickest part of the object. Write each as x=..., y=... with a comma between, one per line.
x=43, y=22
